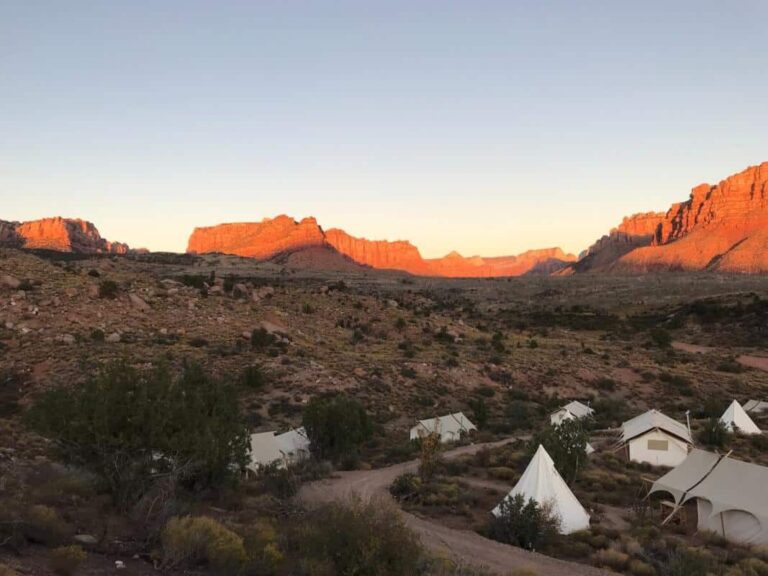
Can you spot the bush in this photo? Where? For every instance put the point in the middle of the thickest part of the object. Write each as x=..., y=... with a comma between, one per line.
x=337, y=427
x=65, y=560
x=6, y=570
x=280, y=482
x=194, y=540
x=129, y=427
x=661, y=337
x=253, y=377
x=480, y=412
x=690, y=562
x=108, y=289
x=714, y=433
x=566, y=444
x=367, y=538
x=261, y=339
x=405, y=486
x=43, y=525
x=524, y=524
x=610, y=558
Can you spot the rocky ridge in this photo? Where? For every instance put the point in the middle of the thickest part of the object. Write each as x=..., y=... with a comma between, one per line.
x=60, y=234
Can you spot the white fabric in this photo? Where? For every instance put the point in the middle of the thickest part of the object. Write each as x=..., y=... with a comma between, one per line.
x=293, y=445
x=654, y=419
x=658, y=448
x=574, y=409
x=542, y=483
x=735, y=419
x=264, y=451
x=755, y=406
x=449, y=427
x=730, y=495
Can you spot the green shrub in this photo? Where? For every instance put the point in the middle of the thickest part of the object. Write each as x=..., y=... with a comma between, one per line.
x=566, y=443
x=65, y=560
x=122, y=423
x=108, y=289
x=405, y=486
x=279, y=481
x=261, y=339
x=337, y=427
x=6, y=570
x=661, y=337
x=253, y=377
x=610, y=558
x=367, y=538
x=524, y=524
x=44, y=526
x=714, y=433
x=193, y=540
x=690, y=562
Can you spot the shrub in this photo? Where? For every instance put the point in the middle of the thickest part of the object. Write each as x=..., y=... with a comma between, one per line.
x=6, y=570
x=690, y=562
x=566, y=443
x=108, y=289
x=479, y=411
x=261, y=339
x=65, y=560
x=280, y=482
x=337, y=427
x=43, y=525
x=367, y=538
x=524, y=524
x=261, y=547
x=400, y=324
x=194, y=540
x=610, y=558
x=405, y=486
x=661, y=337
x=714, y=433
x=608, y=384
x=253, y=377
x=128, y=427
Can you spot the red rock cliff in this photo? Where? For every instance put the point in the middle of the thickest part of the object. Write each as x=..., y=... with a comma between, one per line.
x=62, y=234
x=270, y=238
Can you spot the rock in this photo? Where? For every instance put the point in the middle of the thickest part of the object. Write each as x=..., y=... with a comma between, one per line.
x=9, y=281
x=262, y=293
x=139, y=303
x=66, y=339
x=215, y=290
x=86, y=539
x=113, y=338
x=61, y=234
x=722, y=228
x=171, y=283
x=275, y=238
x=240, y=291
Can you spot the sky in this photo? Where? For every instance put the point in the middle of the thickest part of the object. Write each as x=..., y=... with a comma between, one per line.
x=486, y=127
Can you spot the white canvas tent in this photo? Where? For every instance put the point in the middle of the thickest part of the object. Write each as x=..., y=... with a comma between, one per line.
x=449, y=427
x=542, y=483
x=656, y=439
x=755, y=406
x=735, y=419
x=293, y=445
x=730, y=495
x=572, y=410
x=264, y=451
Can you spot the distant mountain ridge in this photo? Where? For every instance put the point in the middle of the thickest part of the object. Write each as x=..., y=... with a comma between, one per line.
x=60, y=234
x=722, y=227
x=272, y=237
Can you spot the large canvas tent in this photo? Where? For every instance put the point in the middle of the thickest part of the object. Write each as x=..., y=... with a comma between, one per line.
x=293, y=445
x=264, y=451
x=572, y=410
x=656, y=439
x=755, y=406
x=542, y=483
x=449, y=427
x=735, y=419
x=730, y=495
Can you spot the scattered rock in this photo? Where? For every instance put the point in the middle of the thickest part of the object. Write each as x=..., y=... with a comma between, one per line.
x=9, y=281
x=139, y=303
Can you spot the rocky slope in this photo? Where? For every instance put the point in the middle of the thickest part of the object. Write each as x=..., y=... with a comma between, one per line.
x=722, y=227
x=273, y=238
x=61, y=234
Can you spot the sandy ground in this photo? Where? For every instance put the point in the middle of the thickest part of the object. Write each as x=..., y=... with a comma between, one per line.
x=759, y=362
x=464, y=546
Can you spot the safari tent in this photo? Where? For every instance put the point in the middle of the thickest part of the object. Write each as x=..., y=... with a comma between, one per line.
x=656, y=439
x=449, y=428
x=542, y=483
x=293, y=445
x=572, y=410
x=729, y=495
x=264, y=451
x=755, y=406
x=735, y=419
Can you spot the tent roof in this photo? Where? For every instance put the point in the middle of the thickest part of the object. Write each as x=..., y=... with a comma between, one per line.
x=577, y=409
x=293, y=441
x=687, y=474
x=726, y=483
x=448, y=423
x=542, y=482
x=653, y=419
x=755, y=406
x=264, y=449
x=735, y=417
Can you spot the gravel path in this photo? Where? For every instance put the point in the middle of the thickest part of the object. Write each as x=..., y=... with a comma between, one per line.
x=463, y=545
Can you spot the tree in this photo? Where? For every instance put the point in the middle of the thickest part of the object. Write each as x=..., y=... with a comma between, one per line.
x=714, y=433
x=524, y=523
x=566, y=443
x=661, y=337
x=133, y=428
x=337, y=427
x=429, y=456
x=480, y=412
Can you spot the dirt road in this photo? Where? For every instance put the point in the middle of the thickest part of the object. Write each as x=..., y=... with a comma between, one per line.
x=759, y=362
x=464, y=546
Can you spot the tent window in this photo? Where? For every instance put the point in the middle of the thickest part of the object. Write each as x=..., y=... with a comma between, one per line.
x=661, y=445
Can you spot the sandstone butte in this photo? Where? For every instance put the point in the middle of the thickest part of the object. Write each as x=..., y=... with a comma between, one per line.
x=61, y=234
x=271, y=238
x=722, y=227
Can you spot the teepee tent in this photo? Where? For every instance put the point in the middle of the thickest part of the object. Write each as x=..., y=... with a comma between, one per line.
x=735, y=419
x=542, y=483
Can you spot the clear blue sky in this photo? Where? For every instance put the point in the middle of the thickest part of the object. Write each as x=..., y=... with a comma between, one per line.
x=488, y=127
